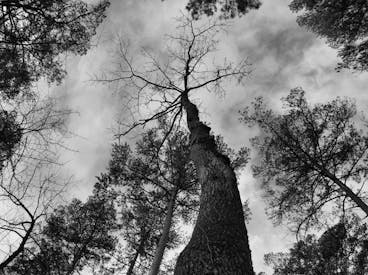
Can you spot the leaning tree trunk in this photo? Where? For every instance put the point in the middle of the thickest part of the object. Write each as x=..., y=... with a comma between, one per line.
x=219, y=243
x=155, y=267
x=348, y=192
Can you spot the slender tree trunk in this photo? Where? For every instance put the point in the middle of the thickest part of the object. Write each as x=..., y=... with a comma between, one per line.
x=219, y=243
x=155, y=268
x=132, y=263
x=140, y=250
x=348, y=192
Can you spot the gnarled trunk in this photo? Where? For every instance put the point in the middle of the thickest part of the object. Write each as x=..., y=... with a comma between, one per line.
x=219, y=243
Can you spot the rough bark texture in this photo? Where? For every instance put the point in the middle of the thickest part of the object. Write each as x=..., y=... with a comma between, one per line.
x=155, y=268
x=219, y=243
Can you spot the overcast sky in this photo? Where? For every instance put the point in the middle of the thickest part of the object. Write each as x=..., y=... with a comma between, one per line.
x=283, y=56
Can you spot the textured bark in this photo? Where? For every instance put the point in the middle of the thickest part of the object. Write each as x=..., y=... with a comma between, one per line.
x=155, y=268
x=219, y=243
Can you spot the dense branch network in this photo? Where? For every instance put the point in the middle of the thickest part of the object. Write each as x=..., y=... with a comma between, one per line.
x=28, y=185
x=183, y=72
x=219, y=242
x=312, y=159
x=34, y=33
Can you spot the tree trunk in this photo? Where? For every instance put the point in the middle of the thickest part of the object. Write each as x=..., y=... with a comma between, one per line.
x=348, y=192
x=155, y=268
x=132, y=263
x=219, y=243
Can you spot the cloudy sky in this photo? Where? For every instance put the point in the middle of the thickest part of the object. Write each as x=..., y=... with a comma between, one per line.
x=283, y=56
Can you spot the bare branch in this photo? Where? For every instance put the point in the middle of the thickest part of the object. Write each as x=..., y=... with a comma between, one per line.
x=166, y=78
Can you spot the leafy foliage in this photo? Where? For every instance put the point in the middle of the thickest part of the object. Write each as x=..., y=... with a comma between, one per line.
x=309, y=157
x=343, y=22
x=34, y=33
x=228, y=9
x=141, y=230
x=238, y=159
x=74, y=235
x=159, y=166
x=158, y=169
x=342, y=249
x=10, y=135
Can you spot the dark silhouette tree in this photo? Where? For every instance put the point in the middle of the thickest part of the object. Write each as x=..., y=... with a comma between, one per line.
x=310, y=158
x=28, y=187
x=343, y=23
x=23, y=227
x=74, y=236
x=33, y=34
x=342, y=249
x=10, y=135
x=219, y=243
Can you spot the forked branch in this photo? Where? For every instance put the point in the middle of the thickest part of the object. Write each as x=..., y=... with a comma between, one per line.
x=164, y=82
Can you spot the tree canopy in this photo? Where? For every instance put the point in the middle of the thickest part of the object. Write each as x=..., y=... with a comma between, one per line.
x=227, y=9
x=33, y=34
x=10, y=135
x=344, y=23
x=160, y=189
x=341, y=249
x=311, y=158
x=74, y=236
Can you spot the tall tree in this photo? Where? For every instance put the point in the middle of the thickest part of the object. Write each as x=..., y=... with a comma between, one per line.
x=342, y=249
x=311, y=158
x=33, y=34
x=344, y=23
x=161, y=189
x=219, y=243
